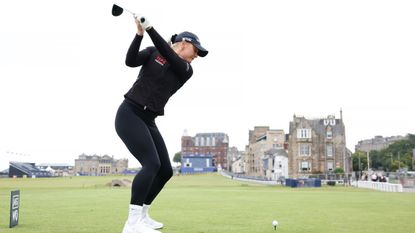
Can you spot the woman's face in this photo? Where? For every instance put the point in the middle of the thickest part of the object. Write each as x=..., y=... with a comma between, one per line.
x=188, y=51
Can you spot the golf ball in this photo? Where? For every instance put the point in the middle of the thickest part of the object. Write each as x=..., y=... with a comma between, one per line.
x=275, y=223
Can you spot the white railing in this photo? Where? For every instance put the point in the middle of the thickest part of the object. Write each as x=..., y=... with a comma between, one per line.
x=381, y=186
x=265, y=182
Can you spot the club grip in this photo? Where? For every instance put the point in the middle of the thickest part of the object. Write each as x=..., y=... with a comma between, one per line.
x=145, y=23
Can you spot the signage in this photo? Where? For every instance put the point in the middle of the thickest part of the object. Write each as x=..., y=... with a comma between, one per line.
x=14, y=208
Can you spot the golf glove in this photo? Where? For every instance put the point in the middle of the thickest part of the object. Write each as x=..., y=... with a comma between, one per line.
x=145, y=23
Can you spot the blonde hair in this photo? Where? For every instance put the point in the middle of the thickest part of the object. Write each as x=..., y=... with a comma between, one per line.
x=175, y=46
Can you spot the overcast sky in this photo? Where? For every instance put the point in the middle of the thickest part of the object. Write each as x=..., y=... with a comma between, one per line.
x=62, y=71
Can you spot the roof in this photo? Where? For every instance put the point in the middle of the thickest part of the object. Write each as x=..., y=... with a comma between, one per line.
x=318, y=125
x=219, y=136
x=276, y=152
x=29, y=169
x=54, y=165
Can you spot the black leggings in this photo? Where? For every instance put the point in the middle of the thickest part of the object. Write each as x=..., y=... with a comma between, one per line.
x=138, y=131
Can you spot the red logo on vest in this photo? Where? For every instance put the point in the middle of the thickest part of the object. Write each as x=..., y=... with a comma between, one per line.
x=160, y=60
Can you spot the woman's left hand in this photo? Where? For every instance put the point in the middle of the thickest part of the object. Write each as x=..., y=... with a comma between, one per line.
x=140, y=29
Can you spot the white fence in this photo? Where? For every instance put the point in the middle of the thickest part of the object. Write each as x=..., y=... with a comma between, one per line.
x=265, y=182
x=381, y=186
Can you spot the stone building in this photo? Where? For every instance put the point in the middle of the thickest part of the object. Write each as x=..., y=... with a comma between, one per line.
x=275, y=162
x=215, y=144
x=317, y=146
x=238, y=166
x=233, y=155
x=94, y=165
x=261, y=139
x=377, y=143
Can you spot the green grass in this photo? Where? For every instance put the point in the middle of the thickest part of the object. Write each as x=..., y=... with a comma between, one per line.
x=205, y=204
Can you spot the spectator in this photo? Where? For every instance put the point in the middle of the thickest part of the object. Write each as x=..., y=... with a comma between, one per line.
x=374, y=177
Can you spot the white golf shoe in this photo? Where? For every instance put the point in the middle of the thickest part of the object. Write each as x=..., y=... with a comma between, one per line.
x=151, y=223
x=134, y=223
x=138, y=227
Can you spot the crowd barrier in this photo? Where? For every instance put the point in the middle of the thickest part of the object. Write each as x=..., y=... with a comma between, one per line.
x=381, y=186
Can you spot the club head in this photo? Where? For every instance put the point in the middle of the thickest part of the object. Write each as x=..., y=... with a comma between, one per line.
x=116, y=10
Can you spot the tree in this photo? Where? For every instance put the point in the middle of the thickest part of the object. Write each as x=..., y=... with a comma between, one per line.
x=397, y=155
x=359, y=156
x=339, y=170
x=376, y=160
x=411, y=138
x=177, y=157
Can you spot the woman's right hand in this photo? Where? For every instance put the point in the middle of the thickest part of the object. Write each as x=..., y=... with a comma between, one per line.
x=140, y=29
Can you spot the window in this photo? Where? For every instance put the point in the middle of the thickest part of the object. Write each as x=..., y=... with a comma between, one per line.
x=197, y=141
x=276, y=146
x=330, y=121
x=329, y=134
x=303, y=133
x=213, y=141
x=304, y=150
x=207, y=141
x=330, y=166
x=304, y=166
x=202, y=141
x=329, y=150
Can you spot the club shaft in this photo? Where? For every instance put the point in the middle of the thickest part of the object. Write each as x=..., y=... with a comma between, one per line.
x=129, y=11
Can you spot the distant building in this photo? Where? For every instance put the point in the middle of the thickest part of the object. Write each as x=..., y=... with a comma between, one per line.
x=238, y=166
x=275, y=162
x=317, y=146
x=215, y=144
x=57, y=169
x=377, y=143
x=196, y=163
x=4, y=173
x=233, y=155
x=18, y=169
x=94, y=165
x=261, y=139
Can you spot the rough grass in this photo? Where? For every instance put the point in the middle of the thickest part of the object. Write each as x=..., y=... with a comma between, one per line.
x=205, y=203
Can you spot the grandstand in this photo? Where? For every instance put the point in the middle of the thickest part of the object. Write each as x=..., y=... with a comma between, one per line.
x=18, y=169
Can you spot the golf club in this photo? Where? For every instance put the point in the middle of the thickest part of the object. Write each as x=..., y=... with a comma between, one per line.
x=117, y=11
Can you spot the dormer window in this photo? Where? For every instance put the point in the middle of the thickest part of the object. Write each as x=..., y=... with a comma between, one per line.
x=331, y=120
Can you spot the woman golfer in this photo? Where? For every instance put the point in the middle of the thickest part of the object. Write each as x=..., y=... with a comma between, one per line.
x=164, y=70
